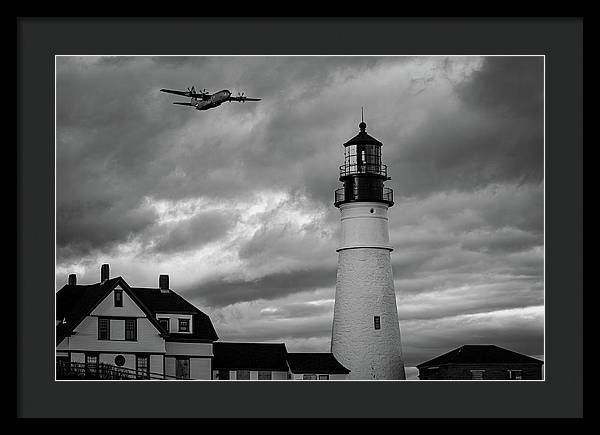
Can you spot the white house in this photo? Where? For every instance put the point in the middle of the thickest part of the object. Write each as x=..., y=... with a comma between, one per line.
x=112, y=330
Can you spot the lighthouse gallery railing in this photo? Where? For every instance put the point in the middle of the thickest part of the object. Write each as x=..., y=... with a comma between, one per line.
x=384, y=194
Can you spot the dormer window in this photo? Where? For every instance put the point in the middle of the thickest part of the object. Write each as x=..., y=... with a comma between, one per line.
x=118, y=298
x=184, y=325
x=164, y=323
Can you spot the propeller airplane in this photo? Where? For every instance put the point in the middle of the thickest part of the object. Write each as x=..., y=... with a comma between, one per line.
x=204, y=100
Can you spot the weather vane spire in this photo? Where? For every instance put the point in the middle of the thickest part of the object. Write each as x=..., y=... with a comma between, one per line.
x=362, y=124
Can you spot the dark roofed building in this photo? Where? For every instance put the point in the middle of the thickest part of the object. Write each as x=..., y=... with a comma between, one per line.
x=481, y=362
x=263, y=361
x=246, y=361
x=315, y=366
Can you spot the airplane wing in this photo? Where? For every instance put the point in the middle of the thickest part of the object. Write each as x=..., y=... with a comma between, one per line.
x=187, y=94
x=243, y=99
x=170, y=91
x=184, y=104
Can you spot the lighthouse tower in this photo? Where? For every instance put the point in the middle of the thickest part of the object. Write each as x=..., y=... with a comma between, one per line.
x=365, y=337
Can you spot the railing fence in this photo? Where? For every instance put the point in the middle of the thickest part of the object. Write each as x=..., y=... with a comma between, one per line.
x=74, y=370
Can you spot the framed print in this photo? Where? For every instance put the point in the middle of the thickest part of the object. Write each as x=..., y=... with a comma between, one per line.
x=275, y=227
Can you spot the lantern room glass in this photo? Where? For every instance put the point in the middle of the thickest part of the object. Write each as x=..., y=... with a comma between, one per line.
x=362, y=159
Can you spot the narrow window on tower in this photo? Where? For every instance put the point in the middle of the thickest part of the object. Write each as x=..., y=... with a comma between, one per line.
x=377, y=322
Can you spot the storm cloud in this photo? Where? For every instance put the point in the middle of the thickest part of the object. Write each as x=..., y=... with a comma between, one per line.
x=236, y=203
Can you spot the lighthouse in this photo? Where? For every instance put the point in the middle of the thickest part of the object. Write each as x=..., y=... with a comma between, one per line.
x=365, y=336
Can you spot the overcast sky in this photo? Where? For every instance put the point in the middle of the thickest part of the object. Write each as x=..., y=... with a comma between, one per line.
x=236, y=203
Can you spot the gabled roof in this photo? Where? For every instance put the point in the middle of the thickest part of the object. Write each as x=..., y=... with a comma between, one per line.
x=75, y=302
x=249, y=356
x=315, y=363
x=170, y=302
x=480, y=354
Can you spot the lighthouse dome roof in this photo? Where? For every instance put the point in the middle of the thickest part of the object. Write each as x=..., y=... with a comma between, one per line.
x=363, y=138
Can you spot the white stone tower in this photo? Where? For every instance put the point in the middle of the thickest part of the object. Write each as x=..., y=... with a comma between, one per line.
x=365, y=337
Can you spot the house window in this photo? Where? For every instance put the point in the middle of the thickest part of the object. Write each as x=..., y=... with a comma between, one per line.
x=91, y=364
x=103, y=328
x=309, y=377
x=164, y=323
x=142, y=366
x=516, y=375
x=377, y=322
x=265, y=375
x=118, y=298
x=223, y=375
x=182, y=368
x=184, y=325
x=243, y=375
x=323, y=377
x=477, y=374
x=131, y=329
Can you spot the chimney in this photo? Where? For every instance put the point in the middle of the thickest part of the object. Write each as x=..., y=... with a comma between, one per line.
x=72, y=279
x=163, y=283
x=104, y=273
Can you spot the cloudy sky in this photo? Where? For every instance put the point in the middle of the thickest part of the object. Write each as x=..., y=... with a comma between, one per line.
x=236, y=203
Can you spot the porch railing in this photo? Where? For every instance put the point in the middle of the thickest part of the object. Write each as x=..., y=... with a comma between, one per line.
x=103, y=371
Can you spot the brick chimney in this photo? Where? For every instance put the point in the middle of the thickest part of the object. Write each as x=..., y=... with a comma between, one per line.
x=72, y=279
x=104, y=272
x=163, y=283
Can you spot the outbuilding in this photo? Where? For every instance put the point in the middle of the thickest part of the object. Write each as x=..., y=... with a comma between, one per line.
x=481, y=362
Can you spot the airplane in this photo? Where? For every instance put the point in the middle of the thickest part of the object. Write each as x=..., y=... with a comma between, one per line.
x=204, y=100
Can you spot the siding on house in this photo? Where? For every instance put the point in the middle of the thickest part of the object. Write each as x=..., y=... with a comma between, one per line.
x=200, y=367
x=86, y=338
x=107, y=306
x=174, y=348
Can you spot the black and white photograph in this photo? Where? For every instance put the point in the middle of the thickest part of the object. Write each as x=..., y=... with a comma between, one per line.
x=300, y=217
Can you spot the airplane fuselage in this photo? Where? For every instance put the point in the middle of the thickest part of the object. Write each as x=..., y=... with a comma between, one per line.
x=215, y=100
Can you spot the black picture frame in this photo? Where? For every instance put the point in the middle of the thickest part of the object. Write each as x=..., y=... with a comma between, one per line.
x=560, y=40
